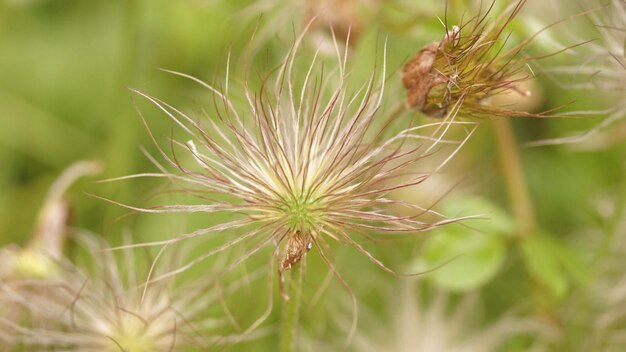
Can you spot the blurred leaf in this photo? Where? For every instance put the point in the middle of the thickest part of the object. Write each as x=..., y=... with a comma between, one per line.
x=552, y=264
x=39, y=134
x=471, y=258
x=491, y=218
x=471, y=252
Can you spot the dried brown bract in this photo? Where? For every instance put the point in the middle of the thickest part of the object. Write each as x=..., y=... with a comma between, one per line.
x=297, y=246
x=419, y=78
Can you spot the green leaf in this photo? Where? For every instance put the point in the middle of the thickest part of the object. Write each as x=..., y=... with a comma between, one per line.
x=490, y=218
x=469, y=253
x=468, y=258
x=552, y=264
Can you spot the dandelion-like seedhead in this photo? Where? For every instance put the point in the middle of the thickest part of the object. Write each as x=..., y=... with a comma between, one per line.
x=611, y=24
x=34, y=268
x=422, y=322
x=470, y=65
x=22, y=272
x=603, y=69
x=107, y=307
x=302, y=162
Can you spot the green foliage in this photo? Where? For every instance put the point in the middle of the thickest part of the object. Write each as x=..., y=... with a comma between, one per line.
x=470, y=253
x=553, y=265
x=64, y=69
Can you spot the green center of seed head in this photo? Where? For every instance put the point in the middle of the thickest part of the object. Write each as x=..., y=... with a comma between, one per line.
x=33, y=264
x=132, y=337
x=131, y=344
x=301, y=214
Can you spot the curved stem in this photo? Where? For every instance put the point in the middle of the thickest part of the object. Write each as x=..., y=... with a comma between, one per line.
x=291, y=309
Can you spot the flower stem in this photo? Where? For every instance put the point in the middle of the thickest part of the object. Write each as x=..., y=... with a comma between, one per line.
x=291, y=309
x=514, y=177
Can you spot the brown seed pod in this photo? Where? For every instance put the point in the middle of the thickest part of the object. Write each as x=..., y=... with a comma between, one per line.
x=419, y=78
x=470, y=65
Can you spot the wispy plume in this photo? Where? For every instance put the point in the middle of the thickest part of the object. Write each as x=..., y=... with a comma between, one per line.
x=304, y=161
x=105, y=305
x=436, y=322
x=34, y=267
x=603, y=69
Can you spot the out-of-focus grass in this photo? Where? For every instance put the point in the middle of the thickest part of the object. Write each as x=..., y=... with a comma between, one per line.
x=63, y=71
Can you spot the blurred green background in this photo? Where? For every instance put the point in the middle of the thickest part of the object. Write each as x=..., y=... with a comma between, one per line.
x=65, y=66
x=64, y=69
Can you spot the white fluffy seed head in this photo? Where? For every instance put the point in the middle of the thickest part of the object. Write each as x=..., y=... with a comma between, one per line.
x=109, y=307
x=421, y=319
x=302, y=152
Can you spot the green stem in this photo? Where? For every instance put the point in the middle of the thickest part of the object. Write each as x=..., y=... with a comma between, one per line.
x=516, y=183
x=291, y=308
x=122, y=137
x=522, y=207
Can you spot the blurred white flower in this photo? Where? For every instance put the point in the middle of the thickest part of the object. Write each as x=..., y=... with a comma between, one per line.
x=109, y=308
x=34, y=267
x=600, y=66
x=419, y=322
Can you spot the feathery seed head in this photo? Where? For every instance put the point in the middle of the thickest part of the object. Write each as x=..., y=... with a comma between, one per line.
x=602, y=70
x=303, y=161
x=108, y=308
x=421, y=323
x=607, y=57
x=34, y=268
x=612, y=26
